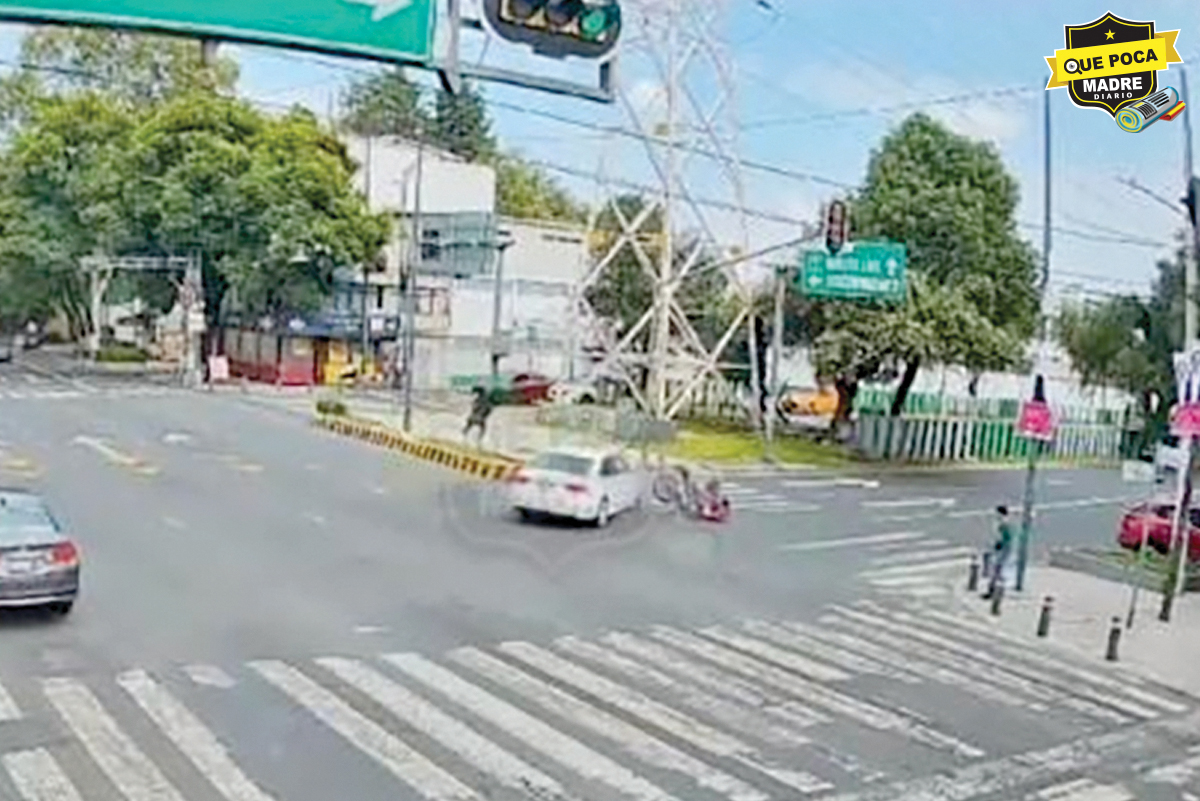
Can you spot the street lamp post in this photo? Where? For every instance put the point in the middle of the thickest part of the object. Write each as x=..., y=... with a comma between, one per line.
x=410, y=289
x=498, y=309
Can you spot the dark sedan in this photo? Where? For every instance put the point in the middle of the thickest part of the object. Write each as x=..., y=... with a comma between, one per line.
x=39, y=564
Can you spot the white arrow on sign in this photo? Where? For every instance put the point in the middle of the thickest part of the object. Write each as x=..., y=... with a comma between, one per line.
x=383, y=8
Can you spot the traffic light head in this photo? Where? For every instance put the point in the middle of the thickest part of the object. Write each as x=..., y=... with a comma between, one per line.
x=558, y=28
x=835, y=227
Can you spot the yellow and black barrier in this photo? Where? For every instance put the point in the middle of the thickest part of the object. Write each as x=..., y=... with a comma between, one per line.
x=488, y=466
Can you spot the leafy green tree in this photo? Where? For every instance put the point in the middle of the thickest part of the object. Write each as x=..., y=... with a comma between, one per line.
x=524, y=191
x=385, y=104
x=461, y=124
x=952, y=202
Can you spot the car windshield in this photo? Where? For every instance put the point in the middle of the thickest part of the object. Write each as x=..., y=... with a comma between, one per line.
x=564, y=463
x=21, y=516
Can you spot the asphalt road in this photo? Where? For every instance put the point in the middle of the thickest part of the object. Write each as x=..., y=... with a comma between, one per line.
x=803, y=650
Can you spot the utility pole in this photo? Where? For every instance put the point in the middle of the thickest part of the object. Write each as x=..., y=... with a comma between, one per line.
x=366, y=271
x=1035, y=445
x=1181, y=525
x=410, y=294
x=498, y=311
x=781, y=275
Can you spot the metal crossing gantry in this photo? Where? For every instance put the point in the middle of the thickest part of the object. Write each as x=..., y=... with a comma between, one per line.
x=101, y=268
x=694, y=114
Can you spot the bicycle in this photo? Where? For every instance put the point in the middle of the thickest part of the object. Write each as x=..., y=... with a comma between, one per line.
x=675, y=487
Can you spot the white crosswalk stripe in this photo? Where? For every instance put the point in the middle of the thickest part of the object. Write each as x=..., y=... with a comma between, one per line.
x=476, y=750
x=38, y=777
x=533, y=732
x=8, y=707
x=755, y=710
x=638, y=705
x=369, y=737
x=191, y=737
x=627, y=737
x=113, y=751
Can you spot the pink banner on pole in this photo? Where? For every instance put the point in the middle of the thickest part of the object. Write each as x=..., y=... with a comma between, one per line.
x=1186, y=420
x=1036, y=421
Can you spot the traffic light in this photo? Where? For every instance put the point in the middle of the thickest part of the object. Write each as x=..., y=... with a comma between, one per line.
x=835, y=227
x=558, y=28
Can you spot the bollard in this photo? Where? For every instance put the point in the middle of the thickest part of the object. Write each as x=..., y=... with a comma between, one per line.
x=1043, y=627
x=973, y=575
x=1114, y=640
x=997, y=595
x=987, y=564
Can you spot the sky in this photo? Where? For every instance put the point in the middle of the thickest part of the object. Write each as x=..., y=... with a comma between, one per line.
x=809, y=89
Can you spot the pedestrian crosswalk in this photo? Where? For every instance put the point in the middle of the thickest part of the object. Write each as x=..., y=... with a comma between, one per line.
x=86, y=392
x=860, y=703
x=757, y=499
x=919, y=567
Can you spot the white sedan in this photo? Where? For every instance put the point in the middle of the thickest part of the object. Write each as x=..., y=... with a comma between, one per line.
x=588, y=485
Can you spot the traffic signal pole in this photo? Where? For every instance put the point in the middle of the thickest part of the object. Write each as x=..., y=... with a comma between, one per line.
x=1180, y=537
x=1035, y=446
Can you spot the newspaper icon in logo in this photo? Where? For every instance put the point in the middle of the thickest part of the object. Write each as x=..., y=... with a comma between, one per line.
x=1164, y=105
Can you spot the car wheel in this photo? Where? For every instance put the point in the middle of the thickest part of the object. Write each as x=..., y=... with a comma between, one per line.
x=62, y=608
x=603, y=515
x=524, y=513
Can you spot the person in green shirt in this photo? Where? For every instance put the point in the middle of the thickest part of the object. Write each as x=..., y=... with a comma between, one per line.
x=1001, y=549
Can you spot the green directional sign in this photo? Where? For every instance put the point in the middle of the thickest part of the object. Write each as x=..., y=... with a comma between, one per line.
x=866, y=271
x=391, y=30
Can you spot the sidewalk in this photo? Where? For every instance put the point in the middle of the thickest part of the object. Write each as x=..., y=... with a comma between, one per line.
x=1083, y=609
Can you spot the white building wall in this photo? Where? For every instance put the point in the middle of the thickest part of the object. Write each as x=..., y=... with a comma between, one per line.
x=388, y=177
x=544, y=251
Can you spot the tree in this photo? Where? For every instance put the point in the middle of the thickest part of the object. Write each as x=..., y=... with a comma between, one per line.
x=385, y=104
x=461, y=124
x=267, y=201
x=951, y=201
x=524, y=191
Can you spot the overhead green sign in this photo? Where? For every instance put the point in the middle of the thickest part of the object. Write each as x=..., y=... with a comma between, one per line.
x=391, y=30
x=865, y=271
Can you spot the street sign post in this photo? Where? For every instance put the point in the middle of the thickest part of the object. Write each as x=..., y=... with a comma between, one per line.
x=863, y=270
x=390, y=30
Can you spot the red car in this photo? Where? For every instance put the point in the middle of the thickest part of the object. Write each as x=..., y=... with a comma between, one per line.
x=1153, y=519
x=530, y=388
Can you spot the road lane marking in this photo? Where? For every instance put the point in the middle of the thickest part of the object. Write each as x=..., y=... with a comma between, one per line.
x=781, y=508
x=1084, y=790
x=114, y=456
x=729, y=685
x=1177, y=773
x=769, y=653
x=1016, y=649
x=817, y=483
x=906, y=503
x=177, y=438
x=1080, y=698
x=676, y=723
x=629, y=738
x=315, y=519
x=832, y=654
x=415, y=711
x=174, y=522
x=369, y=737
x=971, y=663
x=929, y=671
x=191, y=737
x=918, y=556
x=910, y=570
x=209, y=676
x=539, y=736
x=38, y=777
x=113, y=751
x=866, y=713
x=907, y=518
x=893, y=547
x=851, y=542
x=731, y=714
x=8, y=707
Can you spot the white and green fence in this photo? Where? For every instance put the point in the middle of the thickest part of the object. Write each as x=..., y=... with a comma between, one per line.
x=917, y=438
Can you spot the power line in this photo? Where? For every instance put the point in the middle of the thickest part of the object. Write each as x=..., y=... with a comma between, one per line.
x=964, y=97
x=1098, y=238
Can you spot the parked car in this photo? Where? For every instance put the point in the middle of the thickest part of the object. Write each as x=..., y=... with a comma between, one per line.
x=529, y=388
x=6, y=348
x=1153, y=520
x=581, y=484
x=39, y=564
x=573, y=392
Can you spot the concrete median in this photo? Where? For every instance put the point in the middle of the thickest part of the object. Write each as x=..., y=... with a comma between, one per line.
x=486, y=466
